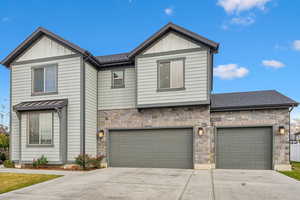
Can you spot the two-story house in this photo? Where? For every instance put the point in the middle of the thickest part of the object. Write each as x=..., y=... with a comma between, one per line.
x=150, y=107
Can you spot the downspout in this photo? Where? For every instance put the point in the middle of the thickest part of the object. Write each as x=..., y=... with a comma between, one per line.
x=83, y=105
x=290, y=110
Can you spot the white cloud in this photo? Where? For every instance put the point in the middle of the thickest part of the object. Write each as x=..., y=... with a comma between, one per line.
x=169, y=11
x=230, y=71
x=242, y=20
x=273, y=64
x=296, y=45
x=5, y=19
x=237, y=6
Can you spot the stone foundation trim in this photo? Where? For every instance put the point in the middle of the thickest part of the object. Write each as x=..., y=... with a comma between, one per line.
x=204, y=166
x=282, y=167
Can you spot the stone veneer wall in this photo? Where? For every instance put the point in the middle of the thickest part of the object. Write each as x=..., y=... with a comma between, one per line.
x=194, y=116
x=274, y=117
x=199, y=116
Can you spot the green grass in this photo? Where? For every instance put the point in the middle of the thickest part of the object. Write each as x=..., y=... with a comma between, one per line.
x=13, y=181
x=295, y=173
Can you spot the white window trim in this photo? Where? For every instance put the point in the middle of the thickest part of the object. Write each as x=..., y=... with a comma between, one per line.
x=112, y=79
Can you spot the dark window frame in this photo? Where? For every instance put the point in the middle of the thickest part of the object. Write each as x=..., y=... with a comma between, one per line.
x=28, y=130
x=158, y=74
x=33, y=93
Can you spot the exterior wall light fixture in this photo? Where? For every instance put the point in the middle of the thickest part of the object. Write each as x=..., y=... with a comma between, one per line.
x=101, y=134
x=200, y=131
x=281, y=130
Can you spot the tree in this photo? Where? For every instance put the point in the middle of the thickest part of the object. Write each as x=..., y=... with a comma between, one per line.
x=4, y=142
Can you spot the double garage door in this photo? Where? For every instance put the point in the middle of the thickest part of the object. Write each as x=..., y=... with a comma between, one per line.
x=236, y=148
x=162, y=148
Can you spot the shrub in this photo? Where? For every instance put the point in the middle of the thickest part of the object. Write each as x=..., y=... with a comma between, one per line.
x=2, y=156
x=81, y=160
x=9, y=164
x=87, y=162
x=40, y=162
x=95, y=162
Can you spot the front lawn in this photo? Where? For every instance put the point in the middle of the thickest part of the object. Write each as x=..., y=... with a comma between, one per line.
x=13, y=181
x=295, y=173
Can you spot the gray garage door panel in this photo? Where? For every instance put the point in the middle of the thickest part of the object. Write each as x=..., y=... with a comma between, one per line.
x=244, y=148
x=163, y=148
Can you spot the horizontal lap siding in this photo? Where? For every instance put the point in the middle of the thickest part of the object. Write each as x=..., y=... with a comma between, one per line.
x=90, y=109
x=68, y=87
x=116, y=98
x=30, y=153
x=195, y=79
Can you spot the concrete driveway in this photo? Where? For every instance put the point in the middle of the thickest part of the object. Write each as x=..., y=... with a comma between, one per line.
x=160, y=184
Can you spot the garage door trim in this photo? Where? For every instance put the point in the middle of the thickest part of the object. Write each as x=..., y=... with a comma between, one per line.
x=108, y=130
x=272, y=126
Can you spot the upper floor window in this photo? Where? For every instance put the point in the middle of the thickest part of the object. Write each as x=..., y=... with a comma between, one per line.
x=40, y=128
x=118, y=79
x=44, y=79
x=171, y=74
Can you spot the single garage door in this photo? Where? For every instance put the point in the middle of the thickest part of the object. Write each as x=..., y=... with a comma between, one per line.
x=244, y=148
x=161, y=148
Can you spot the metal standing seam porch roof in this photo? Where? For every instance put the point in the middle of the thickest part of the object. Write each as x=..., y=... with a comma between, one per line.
x=40, y=105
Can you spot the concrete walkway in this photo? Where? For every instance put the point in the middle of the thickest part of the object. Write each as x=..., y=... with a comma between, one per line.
x=163, y=184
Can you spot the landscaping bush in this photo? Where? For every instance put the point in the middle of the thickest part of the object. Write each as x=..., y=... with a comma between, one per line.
x=88, y=162
x=9, y=164
x=81, y=160
x=2, y=156
x=95, y=162
x=42, y=161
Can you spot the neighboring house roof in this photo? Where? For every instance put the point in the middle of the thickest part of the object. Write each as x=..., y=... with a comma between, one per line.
x=109, y=60
x=41, y=105
x=298, y=133
x=250, y=100
x=37, y=34
x=173, y=27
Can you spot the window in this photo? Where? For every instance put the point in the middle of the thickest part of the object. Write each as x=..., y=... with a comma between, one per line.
x=44, y=79
x=40, y=128
x=118, y=79
x=171, y=74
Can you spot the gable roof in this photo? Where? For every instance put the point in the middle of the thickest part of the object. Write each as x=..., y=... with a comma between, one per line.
x=173, y=27
x=41, y=32
x=250, y=100
x=108, y=60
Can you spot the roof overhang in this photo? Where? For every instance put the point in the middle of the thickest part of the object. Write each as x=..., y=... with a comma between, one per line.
x=56, y=104
x=173, y=27
x=41, y=32
x=252, y=107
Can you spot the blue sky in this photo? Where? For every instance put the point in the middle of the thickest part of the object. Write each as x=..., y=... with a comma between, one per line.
x=259, y=39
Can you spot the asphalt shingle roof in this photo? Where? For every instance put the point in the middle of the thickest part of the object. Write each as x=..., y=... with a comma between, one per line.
x=255, y=99
x=114, y=58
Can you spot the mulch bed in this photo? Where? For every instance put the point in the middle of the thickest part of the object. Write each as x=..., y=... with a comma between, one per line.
x=54, y=167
